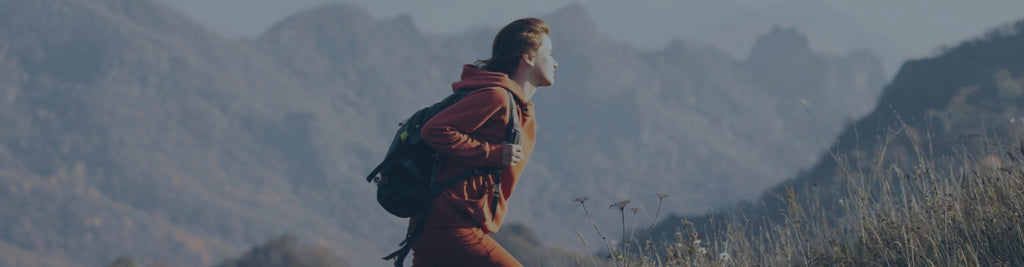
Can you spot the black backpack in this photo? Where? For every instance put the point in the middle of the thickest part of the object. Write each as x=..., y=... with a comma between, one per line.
x=406, y=182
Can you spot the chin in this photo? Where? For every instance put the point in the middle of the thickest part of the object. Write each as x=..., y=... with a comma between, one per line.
x=548, y=82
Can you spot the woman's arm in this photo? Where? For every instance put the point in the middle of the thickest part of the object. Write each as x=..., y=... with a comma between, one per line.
x=449, y=131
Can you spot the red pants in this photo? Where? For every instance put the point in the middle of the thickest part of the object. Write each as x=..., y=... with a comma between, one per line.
x=449, y=246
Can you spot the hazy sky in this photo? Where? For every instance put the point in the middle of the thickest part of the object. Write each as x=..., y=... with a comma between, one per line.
x=901, y=28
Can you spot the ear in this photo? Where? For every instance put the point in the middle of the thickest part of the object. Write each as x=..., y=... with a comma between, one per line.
x=529, y=59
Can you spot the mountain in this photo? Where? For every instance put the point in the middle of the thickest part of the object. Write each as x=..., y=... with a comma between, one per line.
x=132, y=131
x=831, y=29
x=286, y=251
x=119, y=133
x=526, y=245
x=960, y=107
x=280, y=251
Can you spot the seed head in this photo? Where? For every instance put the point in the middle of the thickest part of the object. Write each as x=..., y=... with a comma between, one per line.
x=621, y=205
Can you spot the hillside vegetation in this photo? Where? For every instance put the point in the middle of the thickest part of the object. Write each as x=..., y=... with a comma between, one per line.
x=933, y=176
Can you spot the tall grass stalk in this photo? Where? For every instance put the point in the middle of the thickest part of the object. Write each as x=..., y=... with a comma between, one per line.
x=902, y=207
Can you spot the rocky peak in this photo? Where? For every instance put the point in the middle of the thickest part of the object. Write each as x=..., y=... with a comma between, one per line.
x=339, y=17
x=573, y=26
x=779, y=44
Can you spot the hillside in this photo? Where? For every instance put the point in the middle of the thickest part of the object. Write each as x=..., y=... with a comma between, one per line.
x=133, y=131
x=962, y=107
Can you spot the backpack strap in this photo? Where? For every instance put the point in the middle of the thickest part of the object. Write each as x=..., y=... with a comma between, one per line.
x=513, y=129
x=512, y=132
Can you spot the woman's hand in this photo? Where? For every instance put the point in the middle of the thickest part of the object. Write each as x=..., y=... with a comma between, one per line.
x=513, y=154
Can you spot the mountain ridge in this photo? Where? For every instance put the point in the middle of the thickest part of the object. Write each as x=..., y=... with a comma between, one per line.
x=210, y=145
x=959, y=107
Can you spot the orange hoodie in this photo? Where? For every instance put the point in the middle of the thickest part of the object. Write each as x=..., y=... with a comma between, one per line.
x=470, y=134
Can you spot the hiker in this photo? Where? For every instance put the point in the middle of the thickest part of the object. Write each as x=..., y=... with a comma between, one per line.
x=472, y=134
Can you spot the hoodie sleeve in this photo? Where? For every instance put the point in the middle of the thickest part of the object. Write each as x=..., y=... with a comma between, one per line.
x=450, y=132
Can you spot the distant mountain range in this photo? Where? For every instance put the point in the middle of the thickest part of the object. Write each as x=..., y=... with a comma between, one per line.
x=131, y=130
x=963, y=106
x=829, y=28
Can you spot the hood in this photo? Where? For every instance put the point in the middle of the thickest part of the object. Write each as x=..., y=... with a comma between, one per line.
x=474, y=78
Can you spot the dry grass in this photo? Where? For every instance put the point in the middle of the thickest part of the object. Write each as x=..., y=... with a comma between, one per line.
x=966, y=210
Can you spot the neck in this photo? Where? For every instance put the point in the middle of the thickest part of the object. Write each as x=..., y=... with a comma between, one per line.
x=528, y=88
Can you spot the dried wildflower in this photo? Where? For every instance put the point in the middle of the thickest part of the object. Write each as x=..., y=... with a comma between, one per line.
x=582, y=199
x=621, y=205
x=702, y=250
x=661, y=195
x=724, y=256
x=635, y=210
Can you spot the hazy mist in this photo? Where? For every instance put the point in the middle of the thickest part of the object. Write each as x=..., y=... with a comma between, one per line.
x=187, y=131
x=896, y=30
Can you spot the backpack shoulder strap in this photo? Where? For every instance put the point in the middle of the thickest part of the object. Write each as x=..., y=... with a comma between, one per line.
x=513, y=137
x=513, y=122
